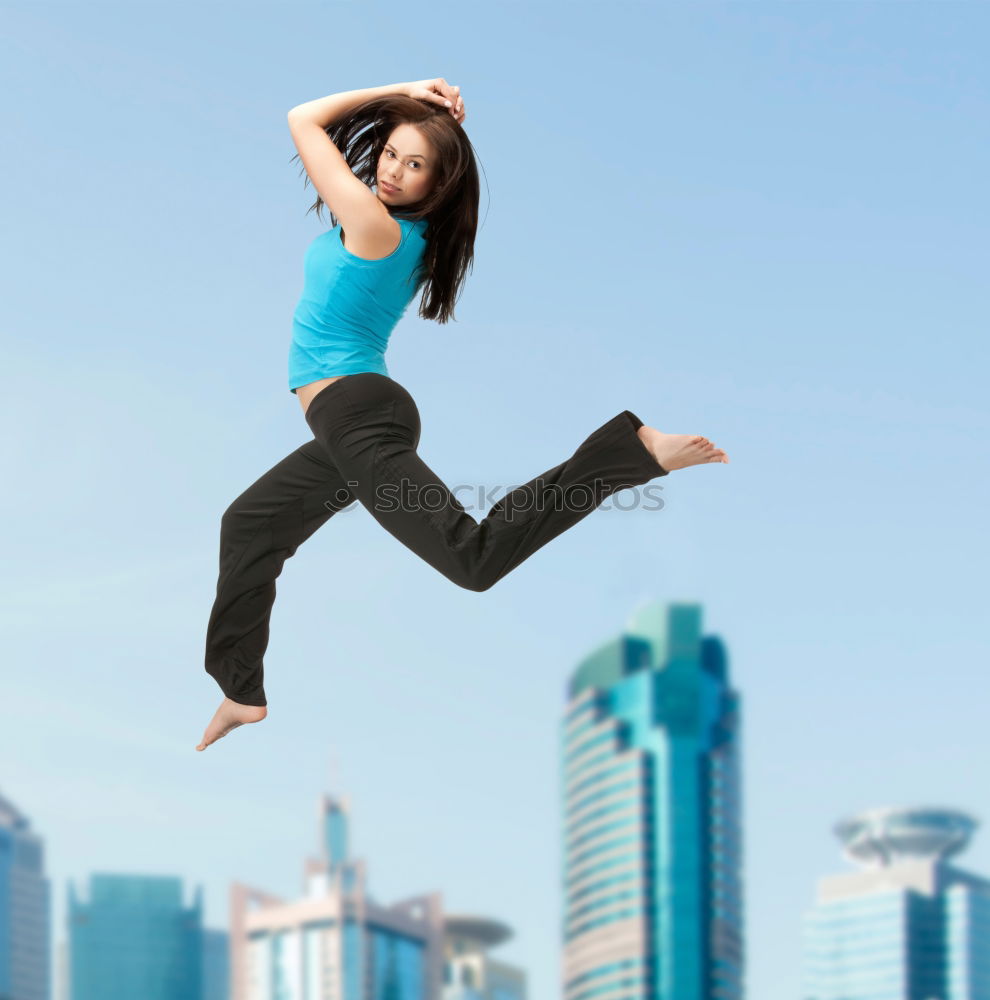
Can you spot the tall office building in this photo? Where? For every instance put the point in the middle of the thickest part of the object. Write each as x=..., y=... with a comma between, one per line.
x=135, y=939
x=25, y=908
x=336, y=943
x=652, y=817
x=909, y=925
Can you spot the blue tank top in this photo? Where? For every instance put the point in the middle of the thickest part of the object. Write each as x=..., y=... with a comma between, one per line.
x=349, y=306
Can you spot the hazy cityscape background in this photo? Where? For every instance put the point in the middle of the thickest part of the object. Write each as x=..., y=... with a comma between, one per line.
x=762, y=222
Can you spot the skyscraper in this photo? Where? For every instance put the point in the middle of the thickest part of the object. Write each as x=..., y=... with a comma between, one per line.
x=25, y=908
x=909, y=926
x=134, y=938
x=652, y=817
x=338, y=944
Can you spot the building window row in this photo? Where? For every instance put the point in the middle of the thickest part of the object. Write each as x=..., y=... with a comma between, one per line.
x=606, y=809
x=603, y=902
x=632, y=874
x=593, y=832
x=573, y=751
x=575, y=877
x=587, y=764
x=624, y=768
x=612, y=918
x=605, y=845
x=625, y=965
x=630, y=983
x=618, y=790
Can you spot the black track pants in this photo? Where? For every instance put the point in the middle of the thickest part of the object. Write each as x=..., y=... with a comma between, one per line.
x=366, y=430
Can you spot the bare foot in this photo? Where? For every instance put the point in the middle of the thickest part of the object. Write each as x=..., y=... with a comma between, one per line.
x=230, y=715
x=678, y=451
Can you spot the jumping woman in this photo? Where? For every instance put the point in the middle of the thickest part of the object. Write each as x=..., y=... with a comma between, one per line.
x=397, y=171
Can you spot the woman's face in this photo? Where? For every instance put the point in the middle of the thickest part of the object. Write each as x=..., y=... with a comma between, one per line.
x=408, y=163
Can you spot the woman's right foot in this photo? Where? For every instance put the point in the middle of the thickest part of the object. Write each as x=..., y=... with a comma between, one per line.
x=678, y=451
x=228, y=716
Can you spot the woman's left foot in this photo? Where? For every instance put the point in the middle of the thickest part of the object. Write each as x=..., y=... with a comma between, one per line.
x=679, y=451
x=230, y=715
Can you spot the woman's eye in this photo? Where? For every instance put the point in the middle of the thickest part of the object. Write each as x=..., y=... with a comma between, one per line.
x=389, y=152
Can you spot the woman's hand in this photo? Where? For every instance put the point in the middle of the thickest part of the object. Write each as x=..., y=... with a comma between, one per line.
x=438, y=91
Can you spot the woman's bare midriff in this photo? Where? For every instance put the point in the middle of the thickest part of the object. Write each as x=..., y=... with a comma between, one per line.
x=305, y=393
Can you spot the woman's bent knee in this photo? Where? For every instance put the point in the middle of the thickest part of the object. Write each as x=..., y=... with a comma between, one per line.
x=476, y=580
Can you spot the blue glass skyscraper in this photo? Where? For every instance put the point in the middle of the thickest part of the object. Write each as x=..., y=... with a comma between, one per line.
x=25, y=906
x=135, y=939
x=909, y=926
x=652, y=817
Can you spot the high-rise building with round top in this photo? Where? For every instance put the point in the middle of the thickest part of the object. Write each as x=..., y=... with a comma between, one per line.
x=908, y=924
x=885, y=836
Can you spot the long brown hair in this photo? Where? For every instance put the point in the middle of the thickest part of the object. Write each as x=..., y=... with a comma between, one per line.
x=451, y=208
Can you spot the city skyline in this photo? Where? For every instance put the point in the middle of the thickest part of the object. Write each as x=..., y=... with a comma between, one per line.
x=650, y=742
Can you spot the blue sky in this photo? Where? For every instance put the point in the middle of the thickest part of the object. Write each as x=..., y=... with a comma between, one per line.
x=761, y=222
